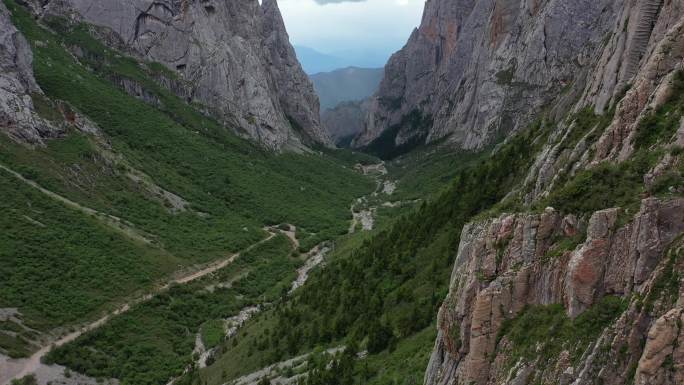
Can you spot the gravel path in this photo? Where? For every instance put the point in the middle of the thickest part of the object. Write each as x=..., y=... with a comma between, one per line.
x=17, y=368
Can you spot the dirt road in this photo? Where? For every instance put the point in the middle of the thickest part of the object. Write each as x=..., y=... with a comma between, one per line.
x=17, y=368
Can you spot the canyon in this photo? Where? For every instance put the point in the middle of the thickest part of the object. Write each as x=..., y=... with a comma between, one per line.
x=510, y=211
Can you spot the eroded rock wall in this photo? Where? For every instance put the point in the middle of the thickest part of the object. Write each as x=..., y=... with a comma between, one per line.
x=235, y=55
x=509, y=263
x=18, y=116
x=481, y=69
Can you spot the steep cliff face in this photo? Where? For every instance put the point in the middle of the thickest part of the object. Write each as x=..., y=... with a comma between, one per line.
x=507, y=266
x=585, y=298
x=235, y=57
x=632, y=97
x=478, y=69
x=18, y=117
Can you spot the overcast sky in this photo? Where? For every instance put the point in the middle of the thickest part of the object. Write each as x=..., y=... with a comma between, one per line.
x=337, y=25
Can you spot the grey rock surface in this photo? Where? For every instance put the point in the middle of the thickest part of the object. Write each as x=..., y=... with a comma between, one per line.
x=18, y=117
x=235, y=54
x=480, y=69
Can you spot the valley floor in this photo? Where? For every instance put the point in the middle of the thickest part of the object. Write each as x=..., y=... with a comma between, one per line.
x=51, y=373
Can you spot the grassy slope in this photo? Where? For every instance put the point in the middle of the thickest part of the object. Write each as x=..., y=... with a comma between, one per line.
x=428, y=170
x=155, y=340
x=240, y=186
x=59, y=265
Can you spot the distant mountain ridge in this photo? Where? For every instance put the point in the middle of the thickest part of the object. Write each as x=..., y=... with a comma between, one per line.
x=314, y=61
x=344, y=96
x=346, y=84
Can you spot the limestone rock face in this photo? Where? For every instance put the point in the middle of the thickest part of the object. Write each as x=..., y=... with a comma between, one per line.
x=632, y=90
x=18, y=117
x=508, y=263
x=663, y=341
x=235, y=55
x=482, y=68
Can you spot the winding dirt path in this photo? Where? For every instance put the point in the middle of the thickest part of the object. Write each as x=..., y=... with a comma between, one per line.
x=233, y=324
x=111, y=221
x=17, y=368
x=11, y=369
x=365, y=216
x=275, y=369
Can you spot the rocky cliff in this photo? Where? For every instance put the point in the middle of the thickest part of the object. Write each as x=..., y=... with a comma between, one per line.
x=480, y=69
x=569, y=296
x=516, y=264
x=18, y=116
x=234, y=56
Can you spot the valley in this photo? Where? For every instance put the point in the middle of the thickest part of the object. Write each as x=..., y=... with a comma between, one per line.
x=501, y=204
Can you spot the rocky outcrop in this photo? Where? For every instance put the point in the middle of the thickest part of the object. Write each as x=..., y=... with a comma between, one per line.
x=18, y=117
x=650, y=89
x=235, y=55
x=638, y=28
x=664, y=341
x=507, y=264
x=623, y=96
x=483, y=68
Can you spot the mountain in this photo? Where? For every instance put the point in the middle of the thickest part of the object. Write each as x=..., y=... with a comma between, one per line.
x=314, y=61
x=346, y=84
x=345, y=121
x=124, y=179
x=526, y=225
x=343, y=94
x=475, y=71
x=605, y=305
x=270, y=99
x=553, y=251
x=365, y=57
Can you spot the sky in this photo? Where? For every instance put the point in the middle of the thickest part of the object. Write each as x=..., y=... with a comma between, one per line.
x=338, y=26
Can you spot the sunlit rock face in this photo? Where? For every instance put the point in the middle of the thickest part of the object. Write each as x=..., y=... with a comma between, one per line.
x=235, y=56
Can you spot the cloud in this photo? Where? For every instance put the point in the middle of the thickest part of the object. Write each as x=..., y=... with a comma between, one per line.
x=324, y=2
x=331, y=26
